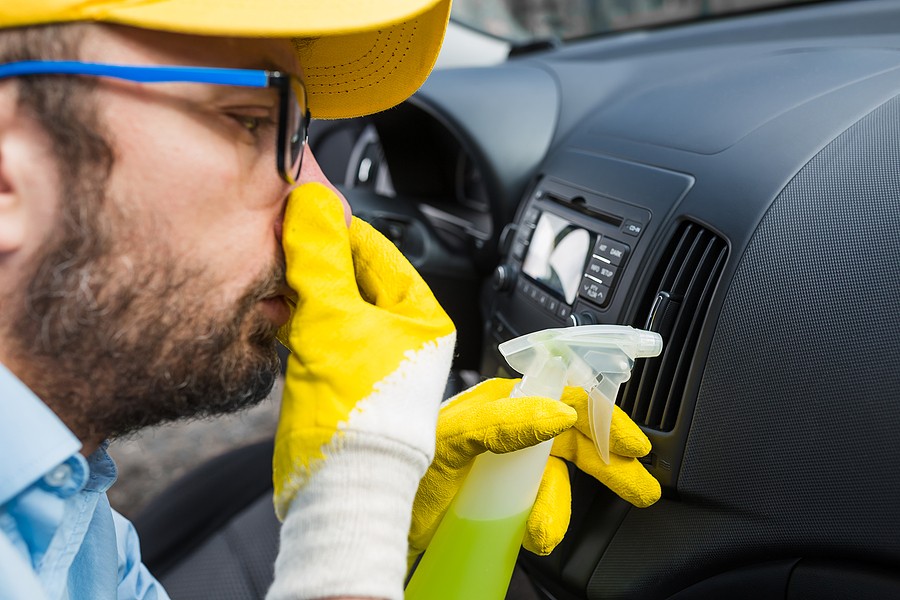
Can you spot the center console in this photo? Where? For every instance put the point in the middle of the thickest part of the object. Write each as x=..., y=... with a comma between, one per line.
x=569, y=254
x=566, y=253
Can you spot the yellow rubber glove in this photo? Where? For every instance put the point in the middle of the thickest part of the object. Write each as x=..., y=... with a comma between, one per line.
x=485, y=418
x=371, y=350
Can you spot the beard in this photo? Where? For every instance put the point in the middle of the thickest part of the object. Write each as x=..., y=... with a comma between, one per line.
x=113, y=346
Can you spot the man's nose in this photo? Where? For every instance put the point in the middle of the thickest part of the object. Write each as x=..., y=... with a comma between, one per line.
x=312, y=172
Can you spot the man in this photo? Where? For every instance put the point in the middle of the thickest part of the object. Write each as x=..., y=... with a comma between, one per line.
x=149, y=255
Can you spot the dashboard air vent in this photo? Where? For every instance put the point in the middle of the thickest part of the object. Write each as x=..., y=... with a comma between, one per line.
x=677, y=300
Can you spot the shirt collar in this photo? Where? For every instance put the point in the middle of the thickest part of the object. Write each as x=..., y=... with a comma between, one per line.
x=103, y=470
x=31, y=431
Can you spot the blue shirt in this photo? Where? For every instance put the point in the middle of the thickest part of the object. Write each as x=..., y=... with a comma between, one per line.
x=59, y=538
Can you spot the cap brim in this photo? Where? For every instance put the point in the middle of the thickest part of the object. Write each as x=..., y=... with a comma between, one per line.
x=361, y=73
x=358, y=56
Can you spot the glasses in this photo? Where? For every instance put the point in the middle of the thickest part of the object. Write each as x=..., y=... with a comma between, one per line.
x=293, y=112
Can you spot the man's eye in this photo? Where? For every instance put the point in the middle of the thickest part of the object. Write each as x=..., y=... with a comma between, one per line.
x=254, y=123
x=249, y=123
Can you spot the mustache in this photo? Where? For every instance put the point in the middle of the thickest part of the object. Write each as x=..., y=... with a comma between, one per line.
x=270, y=284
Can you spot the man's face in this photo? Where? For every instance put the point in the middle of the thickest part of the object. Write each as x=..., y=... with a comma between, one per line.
x=168, y=304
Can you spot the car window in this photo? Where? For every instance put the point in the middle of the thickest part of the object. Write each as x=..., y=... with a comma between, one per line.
x=524, y=21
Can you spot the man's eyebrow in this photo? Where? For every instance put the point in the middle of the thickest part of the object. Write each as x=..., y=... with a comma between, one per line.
x=220, y=92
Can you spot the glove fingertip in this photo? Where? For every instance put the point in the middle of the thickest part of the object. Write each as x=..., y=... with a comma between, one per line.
x=626, y=438
x=629, y=445
x=644, y=495
x=630, y=480
x=535, y=548
x=549, y=518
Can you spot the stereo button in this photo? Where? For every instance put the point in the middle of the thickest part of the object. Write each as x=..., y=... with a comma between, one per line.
x=594, y=290
x=602, y=271
x=611, y=250
x=632, y=228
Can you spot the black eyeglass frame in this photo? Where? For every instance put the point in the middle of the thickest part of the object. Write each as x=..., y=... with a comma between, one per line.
x=292, y=100
x=291, y=147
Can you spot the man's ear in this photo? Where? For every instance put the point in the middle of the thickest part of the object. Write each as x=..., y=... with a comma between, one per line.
x=12, y=217
x=28, y=179
x=12, y=212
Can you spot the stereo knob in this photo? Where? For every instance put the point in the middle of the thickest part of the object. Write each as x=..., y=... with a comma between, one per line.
x=582, y=318
x=504, y=278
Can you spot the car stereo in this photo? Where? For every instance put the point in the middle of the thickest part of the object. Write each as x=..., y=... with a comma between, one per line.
x=564, y=258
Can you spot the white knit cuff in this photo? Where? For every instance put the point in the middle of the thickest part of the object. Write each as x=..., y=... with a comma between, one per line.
x=345, y=533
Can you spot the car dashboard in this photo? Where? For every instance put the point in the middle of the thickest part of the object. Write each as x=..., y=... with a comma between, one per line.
x=733, y=185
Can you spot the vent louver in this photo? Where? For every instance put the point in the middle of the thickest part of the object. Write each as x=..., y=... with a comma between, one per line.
x=677, y=300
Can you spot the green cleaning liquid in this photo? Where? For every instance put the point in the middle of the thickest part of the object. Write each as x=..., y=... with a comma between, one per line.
x=469, y=559
x=474, y=550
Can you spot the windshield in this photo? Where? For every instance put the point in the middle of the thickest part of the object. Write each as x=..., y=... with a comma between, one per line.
x=523, y=21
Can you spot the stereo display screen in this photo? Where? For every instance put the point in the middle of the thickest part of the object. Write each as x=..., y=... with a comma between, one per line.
x=557, y=254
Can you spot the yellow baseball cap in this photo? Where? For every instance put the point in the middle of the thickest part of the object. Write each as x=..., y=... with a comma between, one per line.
x=358, y=56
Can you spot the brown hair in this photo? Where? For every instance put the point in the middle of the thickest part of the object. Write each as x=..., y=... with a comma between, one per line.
x=62, y=105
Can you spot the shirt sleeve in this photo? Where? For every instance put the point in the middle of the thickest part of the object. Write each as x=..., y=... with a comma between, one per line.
x=135, y=581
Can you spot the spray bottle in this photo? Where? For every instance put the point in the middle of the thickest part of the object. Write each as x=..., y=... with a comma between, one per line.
x=474, y=549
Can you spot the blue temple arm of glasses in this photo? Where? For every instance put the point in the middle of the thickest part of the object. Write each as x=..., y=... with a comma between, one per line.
x=139, y=73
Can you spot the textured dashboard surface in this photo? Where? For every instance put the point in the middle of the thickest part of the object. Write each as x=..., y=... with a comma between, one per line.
x=791, y=450
x=779, y=133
